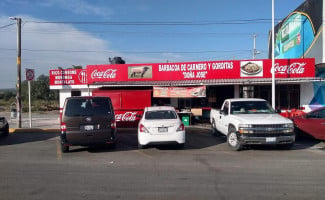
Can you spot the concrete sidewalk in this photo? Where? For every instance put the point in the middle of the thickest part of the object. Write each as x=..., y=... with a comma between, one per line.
x=41, y=122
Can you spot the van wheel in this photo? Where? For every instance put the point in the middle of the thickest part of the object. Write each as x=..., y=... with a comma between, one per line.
x=64, y=149
x=112, y=145
x=232, y=140
x=181, y=146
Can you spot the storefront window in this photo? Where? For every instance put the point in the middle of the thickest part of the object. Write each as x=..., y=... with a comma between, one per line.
x=286, y=96
x=246, y=91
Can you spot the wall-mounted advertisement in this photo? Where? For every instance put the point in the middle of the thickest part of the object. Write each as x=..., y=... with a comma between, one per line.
x=294, y=37
x=179, y=92
x=68, y=77
x=297, y=34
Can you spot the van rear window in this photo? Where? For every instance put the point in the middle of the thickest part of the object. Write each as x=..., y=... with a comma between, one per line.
x=87, y=107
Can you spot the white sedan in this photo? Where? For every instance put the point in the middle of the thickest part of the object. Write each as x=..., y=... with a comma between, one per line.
x=160, y=125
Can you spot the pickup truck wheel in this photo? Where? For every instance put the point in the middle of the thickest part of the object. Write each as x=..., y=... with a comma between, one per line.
x=232, y=141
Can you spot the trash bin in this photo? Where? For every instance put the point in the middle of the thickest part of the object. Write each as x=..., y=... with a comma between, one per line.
x=186, y=120
x=13, y=113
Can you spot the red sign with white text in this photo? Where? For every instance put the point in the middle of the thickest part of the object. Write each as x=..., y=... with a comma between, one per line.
x=68, y=77
x=205, y=70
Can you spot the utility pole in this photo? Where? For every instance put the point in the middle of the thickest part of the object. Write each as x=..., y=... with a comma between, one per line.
x=18, y=87
x=254, y=47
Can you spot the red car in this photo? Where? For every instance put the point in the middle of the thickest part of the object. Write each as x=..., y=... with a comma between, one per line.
x=312, y=123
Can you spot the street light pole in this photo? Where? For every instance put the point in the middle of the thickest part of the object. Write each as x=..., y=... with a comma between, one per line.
x=255, y=52
x=272, y=67
x=18, y=87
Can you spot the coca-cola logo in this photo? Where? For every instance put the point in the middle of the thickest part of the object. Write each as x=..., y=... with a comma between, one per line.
x=127, y=116
x=108, y=74
x=294, y=68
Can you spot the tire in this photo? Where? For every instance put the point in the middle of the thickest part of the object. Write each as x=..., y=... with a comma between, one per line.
x=64, y=149
x=6, y=132
x=232, y=140
x=140, y=146
x=113, y=145
x=181, y=146
x=110, y=146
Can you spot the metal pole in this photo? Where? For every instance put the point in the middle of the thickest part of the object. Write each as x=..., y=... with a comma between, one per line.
x=29, y=106
x=254, y=49
x=272, y=68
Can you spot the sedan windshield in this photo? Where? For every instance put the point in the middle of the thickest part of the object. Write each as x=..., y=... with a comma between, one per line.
x=251, y=107
x=161, y=114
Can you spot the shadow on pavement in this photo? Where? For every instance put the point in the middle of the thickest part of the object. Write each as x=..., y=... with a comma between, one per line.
x=300, y=143
x=196, y=138
x=20, y=138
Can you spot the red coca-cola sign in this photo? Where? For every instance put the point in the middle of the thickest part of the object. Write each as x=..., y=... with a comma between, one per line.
x=126, y=117
x=293, y=68
x=107, y=74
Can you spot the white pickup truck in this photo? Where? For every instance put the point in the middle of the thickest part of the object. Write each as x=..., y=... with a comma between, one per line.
x=248, y=121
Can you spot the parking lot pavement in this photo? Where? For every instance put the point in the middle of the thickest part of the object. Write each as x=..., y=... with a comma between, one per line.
x=205, y=169
x=49, y=122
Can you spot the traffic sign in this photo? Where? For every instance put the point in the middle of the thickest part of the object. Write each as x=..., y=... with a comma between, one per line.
x=30, y=74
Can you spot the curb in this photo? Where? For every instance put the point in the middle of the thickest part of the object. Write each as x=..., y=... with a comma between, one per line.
x=34, y=130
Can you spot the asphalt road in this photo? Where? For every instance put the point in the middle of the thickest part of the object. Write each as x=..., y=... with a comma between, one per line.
x=32, y=167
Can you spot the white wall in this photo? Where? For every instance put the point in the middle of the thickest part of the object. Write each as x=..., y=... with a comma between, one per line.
x=306, y=94
x=67, y=93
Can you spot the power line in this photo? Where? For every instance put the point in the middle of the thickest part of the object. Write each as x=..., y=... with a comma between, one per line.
x=158, y=23
x=212, y=34
x=7, y=25
x=135, y=52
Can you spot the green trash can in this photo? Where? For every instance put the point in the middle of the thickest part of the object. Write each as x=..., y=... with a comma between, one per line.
x=186, y=120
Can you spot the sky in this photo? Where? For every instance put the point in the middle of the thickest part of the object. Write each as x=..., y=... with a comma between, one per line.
x=63, y=33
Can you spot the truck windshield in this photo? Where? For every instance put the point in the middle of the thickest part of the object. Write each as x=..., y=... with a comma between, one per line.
x=251, y=107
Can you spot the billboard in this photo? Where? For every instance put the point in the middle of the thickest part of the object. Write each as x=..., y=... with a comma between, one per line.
x=204, y=70
x=298, y=35
x=182, y=71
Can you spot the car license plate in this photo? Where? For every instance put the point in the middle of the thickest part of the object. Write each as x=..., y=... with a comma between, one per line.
x=88, y=127
x=270, y=139
x=162, y=129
